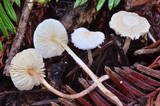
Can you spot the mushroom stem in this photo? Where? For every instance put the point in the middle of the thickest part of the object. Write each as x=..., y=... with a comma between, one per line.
x=91, y=74
x=151, y=37
x=126, y=44
x=70, y=96
x=90, y=58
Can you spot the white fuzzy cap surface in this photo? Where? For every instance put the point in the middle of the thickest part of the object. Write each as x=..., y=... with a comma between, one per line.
x=21, y=63
x=128, y=24
x=45, y=31
x=84, y=39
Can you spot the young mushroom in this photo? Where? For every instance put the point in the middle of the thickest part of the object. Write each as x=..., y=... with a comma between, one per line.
x=50, y=39
x=130, y=25
x=84, y=39
x=27, y=71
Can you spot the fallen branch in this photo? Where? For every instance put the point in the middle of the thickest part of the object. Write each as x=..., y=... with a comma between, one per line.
x=19, y=35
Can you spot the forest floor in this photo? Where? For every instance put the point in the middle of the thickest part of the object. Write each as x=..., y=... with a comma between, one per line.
x=134, y=77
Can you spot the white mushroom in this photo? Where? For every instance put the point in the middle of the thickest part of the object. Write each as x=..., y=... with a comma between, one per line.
x=130, y=25
x=84, y=39
x=50, y=36
x=23, y=67
x=27, y=71
x=45, y=38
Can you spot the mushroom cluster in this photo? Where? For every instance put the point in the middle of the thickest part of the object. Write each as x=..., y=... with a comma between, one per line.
x=50, y=37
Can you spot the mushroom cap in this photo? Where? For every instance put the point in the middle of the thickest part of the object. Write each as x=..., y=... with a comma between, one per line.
x=84, y=39
x=45, y=37
x=129, y=24
x=22, y=66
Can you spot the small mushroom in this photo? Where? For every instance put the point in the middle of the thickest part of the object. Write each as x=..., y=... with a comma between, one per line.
x=130, y=25
x=27, y=71
x=50, y=37
x=84, y=39
x=25, y=67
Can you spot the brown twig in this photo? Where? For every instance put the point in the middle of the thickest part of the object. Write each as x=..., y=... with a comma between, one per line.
x=155, y=63
x=153, y=45
x=96, y=98
x=66, y=102
x=148, y=71
x=45, y=102
x=19, y=35
x=133, y=80
x=54, y=104
x=141, y=77
x=125, y=87
x=82, y=101
x=147, y=51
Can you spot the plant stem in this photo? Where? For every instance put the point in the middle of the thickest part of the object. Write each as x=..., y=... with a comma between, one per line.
x=91, y=74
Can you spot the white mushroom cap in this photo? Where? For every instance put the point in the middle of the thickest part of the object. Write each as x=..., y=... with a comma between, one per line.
x=45, y=37
x=22, y=67
x=129, y=24
x=84, y=39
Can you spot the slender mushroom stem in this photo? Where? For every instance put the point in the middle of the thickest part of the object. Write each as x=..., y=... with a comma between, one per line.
x=151, y=37
x=126, y=44
x=69, y=96
x=91, y=74
x=90, y=58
